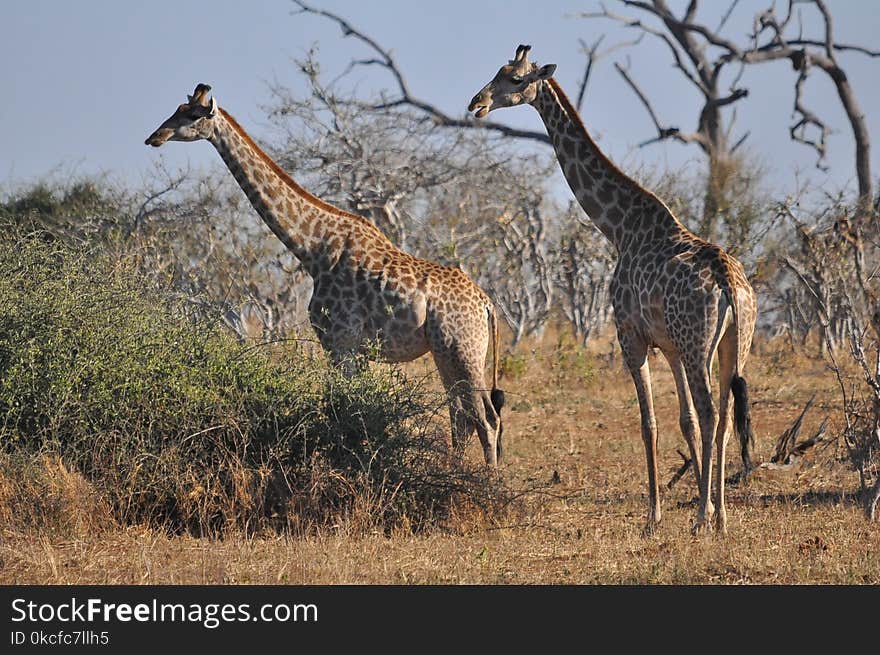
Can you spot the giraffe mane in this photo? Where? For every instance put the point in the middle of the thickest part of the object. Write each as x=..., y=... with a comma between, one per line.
x=296, y=188
x=576, y=119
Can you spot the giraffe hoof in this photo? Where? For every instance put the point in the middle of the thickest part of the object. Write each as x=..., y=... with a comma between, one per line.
x=701, y=527
x=650, y=528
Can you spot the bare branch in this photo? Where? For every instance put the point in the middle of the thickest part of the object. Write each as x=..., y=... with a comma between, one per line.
x=662, y=11
x=726, y=15
x=839, y=47
x=641, y=96
x=593, y=56
x=785, y=445
x=637, y=24
x=685, y=465
x=662, y=132
x=386, y=60
x=768, y=42
x=829, y=29
x=740, y=141
x=737, y=94
x=798, y=129
x=591, y=59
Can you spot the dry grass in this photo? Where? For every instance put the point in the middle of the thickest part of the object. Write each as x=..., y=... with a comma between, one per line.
x=572, y=432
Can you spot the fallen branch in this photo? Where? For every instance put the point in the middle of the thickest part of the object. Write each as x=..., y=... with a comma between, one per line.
x=685, y=465
x=788, y=451
x=787, y=440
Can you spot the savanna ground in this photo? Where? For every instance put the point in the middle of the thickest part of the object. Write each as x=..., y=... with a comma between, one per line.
x=573, y=449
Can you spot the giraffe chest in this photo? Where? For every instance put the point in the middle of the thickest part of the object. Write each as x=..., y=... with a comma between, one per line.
x=637, y=298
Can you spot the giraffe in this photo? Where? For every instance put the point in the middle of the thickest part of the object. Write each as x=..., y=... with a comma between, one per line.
x=670, y=289
x=366, y=290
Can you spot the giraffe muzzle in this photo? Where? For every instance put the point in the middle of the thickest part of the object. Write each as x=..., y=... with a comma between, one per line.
x=479, y=105
x=158, y=137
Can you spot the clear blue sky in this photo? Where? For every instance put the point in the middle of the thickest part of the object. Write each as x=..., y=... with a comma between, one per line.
x=85, y=82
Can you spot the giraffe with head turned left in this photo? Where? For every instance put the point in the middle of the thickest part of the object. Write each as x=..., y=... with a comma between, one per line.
x=670, y=288
x=366, y=291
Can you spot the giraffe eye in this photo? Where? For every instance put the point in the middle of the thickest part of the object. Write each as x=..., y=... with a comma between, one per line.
x=516, y=79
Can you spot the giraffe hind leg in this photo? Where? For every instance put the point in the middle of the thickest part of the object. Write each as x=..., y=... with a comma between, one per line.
x=472, y=407
x=726, y=372
x=493, y=410
x=469, y=406
x=460, y=426
x=701, y=391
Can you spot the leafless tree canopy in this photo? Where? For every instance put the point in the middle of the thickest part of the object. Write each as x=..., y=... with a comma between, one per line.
x=702, y=53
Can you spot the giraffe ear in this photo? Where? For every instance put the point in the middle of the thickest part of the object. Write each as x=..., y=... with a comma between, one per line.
x=545, y=72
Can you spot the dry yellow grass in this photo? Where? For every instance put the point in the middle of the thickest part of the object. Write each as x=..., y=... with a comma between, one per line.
x=572, y=432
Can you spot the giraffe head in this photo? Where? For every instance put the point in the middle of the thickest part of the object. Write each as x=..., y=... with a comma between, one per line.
x=192, y=121
x=515, y=83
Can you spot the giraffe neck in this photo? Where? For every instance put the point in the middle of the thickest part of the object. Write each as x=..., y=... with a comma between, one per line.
x=303, y=223
x=623, y=210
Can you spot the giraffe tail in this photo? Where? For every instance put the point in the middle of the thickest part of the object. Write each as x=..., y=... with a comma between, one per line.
x=742, y=421
x=497, y=395
x=741, y=407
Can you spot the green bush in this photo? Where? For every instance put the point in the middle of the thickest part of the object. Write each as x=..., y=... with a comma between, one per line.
x=574, y=362
x=79, y=209
x=513, y=366
x=176, y=423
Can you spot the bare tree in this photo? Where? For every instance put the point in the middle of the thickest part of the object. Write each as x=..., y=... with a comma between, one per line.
x=524, y=290
x=860, y=404
x=702, y=54
x=384, y=164
x=585, y=260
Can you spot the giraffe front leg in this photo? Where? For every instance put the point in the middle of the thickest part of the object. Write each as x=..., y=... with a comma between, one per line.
x=687, y=419
x=635, y=352
x=461, y=370
x=485, y=431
